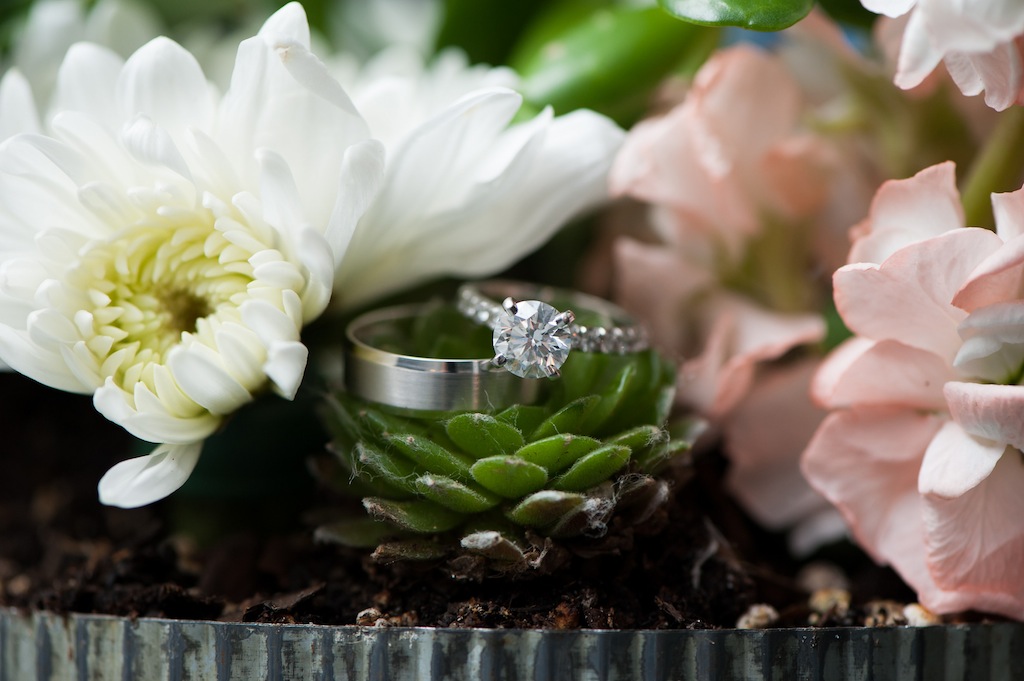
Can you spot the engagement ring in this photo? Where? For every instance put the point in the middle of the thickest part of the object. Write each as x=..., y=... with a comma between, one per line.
x=424, y=384
x=532, y=339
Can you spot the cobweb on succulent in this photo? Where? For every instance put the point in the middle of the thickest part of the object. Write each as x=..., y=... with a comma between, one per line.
x=515, y=490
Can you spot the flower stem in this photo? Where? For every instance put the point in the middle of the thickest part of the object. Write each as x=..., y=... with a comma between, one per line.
x=996, y=168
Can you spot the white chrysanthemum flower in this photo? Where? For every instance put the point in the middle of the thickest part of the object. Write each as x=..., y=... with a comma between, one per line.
x=161, y=247
x=466, y=192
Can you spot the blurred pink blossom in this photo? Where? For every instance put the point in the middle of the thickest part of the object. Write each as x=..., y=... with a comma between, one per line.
x=979, y=42
x=922, y=451
x=736, y=189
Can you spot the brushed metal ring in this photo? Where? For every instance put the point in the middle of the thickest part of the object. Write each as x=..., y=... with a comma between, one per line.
x=425, y=384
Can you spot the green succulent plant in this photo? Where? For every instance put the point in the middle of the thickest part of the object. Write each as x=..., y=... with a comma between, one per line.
x=505, y=487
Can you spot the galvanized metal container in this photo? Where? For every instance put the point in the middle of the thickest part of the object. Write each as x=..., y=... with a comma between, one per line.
x=47, y=646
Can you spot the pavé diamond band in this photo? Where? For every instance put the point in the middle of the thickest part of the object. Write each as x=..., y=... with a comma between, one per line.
x=532, y=339
x=424, y=384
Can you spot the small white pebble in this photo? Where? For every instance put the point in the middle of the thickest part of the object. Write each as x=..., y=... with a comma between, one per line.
x=834, y=601
x=371, y=617
x=758, y=616
x=919, y=616
x=821, y=575
x=884, y=613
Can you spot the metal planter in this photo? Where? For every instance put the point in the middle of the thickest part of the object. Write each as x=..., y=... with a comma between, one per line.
x=48, y=646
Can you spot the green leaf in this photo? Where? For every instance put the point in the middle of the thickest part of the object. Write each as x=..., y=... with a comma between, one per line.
x=557, y=452
x=417, y=515
x=593, y=468
x=610, y=61
x=359, y=533
x=590, y=518
x=409, y=549
x=612, y=396
x=756, y=15
x=524, y=418
x=482, y=435
x=653, y=459
x=544, y=508
x=639, y=437
x=494, y=546
x=509, y=476
x=456, y=495
x=429, y=455
x=567, y=419
x=375, y=466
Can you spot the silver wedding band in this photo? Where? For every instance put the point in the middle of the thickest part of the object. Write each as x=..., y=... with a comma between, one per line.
x=425, y=384
x=431, y=384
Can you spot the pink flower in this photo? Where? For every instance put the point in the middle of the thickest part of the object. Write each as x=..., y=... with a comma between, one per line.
x=736, y=191
x=980, y=43
x=922, y=451
x=733, y=186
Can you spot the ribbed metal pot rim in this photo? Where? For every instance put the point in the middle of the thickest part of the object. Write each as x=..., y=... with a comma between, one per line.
x=41, y=645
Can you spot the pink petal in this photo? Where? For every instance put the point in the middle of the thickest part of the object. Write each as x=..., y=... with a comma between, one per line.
x=861, y=372
x=975, y=541
x=865, y=461
x=907, y=297
x=993, y=338
x=992, y=412
x=918, y=54
x=764, y=437
x=998, y=278
x=1009, y=213
x=741, y=334
x=907, y=211
x=955, y=462
x=796, y=175
x=998, y=73
x=655, y=285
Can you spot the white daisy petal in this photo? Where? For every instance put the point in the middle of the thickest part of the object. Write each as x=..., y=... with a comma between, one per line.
x=285, y=365
x=165, y=82
x=206, y=382
x=17, y=107
x=145, y=479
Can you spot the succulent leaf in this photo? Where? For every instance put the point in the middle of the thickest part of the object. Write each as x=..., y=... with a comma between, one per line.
x=544, y=508
x=425, y=452
x=568, y=419
x=359, y=533
x=509, y=476
x=373, y=464
x=493, y=545
x=483, y=435
x=593, y=468
x=523, y=417
x=417, y=515
x=455, y=495
x=557, y=452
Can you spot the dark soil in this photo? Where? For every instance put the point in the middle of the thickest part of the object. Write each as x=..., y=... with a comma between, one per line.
x=701, y=564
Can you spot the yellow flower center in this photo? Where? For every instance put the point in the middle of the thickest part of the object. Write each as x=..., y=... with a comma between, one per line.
x=151, y=285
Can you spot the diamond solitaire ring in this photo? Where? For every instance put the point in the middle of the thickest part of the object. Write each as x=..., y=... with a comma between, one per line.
x=532, y=339
x=423, y=384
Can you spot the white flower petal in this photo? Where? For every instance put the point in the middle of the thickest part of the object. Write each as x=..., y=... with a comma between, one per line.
x=145, y=479
x=199, y=374
x=362, y=171
x=27, y=358
x=153, y=145
x=164, y=81
x=285, y=366
x=152, y=422
x=87, y=83
x=17, y=106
